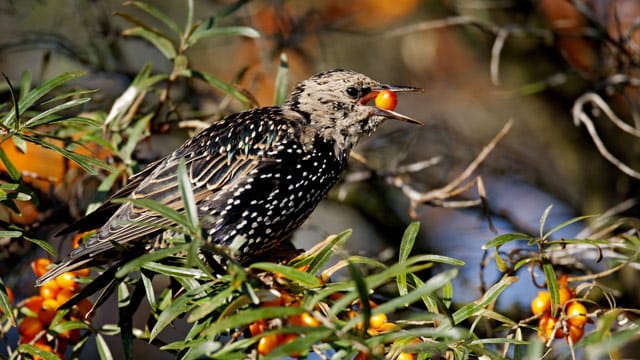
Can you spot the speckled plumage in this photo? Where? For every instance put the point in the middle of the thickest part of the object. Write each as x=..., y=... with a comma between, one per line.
x=256, y=174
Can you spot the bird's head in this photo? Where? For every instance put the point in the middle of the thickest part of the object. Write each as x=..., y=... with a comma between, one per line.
x=335, y=105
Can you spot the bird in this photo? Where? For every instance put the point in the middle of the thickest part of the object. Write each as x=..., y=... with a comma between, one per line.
x=257, y=174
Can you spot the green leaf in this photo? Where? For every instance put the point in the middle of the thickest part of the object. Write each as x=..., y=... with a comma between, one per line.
x=10, y=233
x=363, y=294
x=282, y=81
x=36, y=351
x=552, y=285
x=189, y=21
x=503, y=239
x=488, y=298
x=25, y=83
x=103, y=348
x=188, y=198
x=11, y=169
x=86, y=162
x=300, y=344
x=303, y=278
x=208, y=29
x=225, y=87
x=178, y=307
x=42, y=90
x=175, y=271
x=248, y=316
x=44, y=245
x=19, y=143
x=210, y=305
x=406, y=245
x=438, y=281
x=63, y=326
x=160, y=209
x=134, y=135
x=161, y=42
x=543, y=219
x=41, y=118
x=323, y=256
x=141, y=261
x=567, y=223
x=5, y=304
x=156, y=13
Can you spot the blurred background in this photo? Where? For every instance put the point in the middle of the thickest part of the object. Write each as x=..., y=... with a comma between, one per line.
x=481, y=64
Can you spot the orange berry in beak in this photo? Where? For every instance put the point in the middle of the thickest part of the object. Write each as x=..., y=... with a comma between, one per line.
x=386, y=99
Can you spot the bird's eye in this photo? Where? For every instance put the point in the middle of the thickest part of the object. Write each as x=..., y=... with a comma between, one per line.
x=352, y=91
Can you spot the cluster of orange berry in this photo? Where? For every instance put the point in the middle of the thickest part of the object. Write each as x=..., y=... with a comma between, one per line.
x=574, y=314
x=39, y=310
x=269, y=342
x=378, y=324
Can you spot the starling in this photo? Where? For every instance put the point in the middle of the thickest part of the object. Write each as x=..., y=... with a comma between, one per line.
x=256, y=174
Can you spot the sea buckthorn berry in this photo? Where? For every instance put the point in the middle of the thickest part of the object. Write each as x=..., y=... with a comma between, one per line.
x=386, y=99
x=307, y=319
x=67, y=280
x=575, y=333
x=546, y=324
x=48, y=311
x=82, y=272
x=70, y=335
x=388, y=326
x=565, y=295
x=29, y=327
x=541, y=303
x=40, y=265
x=64, y=295
x=576, y=314
x=377, y=320
x=34, y=303
x=258, y=327
x=49, y=290
x=267, y=343
x=405, y=356
x=28, y=213
x=44, y=347
x=10, y=295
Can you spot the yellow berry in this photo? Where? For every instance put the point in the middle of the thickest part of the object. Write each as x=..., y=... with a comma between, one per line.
x=48, y=311
x=267, y=343
x=576, y=314
x=40, y=265
x=575, y=333
x=66, y=280
x=29, y=327
x=541, y=303
x=377, y=320
x=565, y=294
x=546, y=324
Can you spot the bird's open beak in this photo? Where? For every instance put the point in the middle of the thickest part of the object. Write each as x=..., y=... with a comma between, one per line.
x=389, y=114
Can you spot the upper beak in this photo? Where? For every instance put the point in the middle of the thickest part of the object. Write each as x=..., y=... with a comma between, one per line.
x=389, y=114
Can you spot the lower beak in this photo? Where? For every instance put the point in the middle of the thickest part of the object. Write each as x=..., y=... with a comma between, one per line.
x=393, y=115
x=388, y=113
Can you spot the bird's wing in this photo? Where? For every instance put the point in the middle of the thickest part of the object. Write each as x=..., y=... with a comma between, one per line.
x=215, y=159
x=101, y=215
